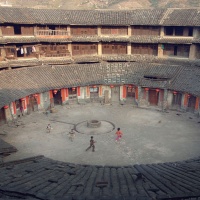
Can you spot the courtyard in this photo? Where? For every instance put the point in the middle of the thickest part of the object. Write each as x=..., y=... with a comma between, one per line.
x=149, y=135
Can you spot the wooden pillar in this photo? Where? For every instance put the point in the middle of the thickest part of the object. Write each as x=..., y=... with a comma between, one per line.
x=99, y=48
x=88, y=91
x=160, y=50
x=79, y=91
x=99, y=30
x=100, y=91
x=196, y=32
x=51, y=94
x=35, y=30
x=129, y=48
x=185, y=101
x=8, y=114
x=70, y=48
x=39, y=99
x=63, y=95
x=1, y=32
x=136, y=93
x=67, y=93
x=129, y=31
x=165, y=99
x=69, y=30
x=197, y=104
x=24, y=103
x=162, y=31
x=27, y=100
x=193, y=51
x=14, y=108
x=124, y=92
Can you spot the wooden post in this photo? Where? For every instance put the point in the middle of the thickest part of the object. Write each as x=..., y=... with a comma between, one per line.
x=124, y=92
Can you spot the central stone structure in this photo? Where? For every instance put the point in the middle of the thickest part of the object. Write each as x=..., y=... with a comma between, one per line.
x=93, y=124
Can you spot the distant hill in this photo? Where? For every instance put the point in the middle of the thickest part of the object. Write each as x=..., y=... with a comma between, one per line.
x=102, y=4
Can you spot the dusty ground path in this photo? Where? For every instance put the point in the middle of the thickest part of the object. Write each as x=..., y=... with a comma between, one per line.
x=150, y=136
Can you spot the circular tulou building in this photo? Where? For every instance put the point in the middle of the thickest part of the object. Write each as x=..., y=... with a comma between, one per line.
x=145, y=58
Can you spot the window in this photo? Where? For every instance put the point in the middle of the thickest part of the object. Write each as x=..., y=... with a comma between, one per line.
x=17, y=29
x=177, y=50
x=94, y=90
x=179, y=31
x=190, y=32
x=76, y=47
x=169, y=31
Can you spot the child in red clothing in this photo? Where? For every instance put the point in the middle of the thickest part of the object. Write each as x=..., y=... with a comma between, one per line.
x=119, y=134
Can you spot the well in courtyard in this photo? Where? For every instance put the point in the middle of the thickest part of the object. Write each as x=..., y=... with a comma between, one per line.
x=149, y=136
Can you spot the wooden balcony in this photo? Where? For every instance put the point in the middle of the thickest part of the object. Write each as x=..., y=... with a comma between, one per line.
x=52, y=34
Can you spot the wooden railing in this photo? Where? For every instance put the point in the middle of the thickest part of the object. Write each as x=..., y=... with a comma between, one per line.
x=51, y=32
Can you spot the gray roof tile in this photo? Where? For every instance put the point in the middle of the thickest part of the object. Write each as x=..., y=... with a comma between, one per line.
x=43, y=78
x=167, y=17
x=43, y=178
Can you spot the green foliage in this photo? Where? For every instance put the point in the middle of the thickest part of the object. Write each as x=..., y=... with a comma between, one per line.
x=154, y=3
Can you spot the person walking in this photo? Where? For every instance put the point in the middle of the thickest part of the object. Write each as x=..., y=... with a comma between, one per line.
x=48, y=128
x=71, y=135
x=22, y=110
x=91, y=144
x=119, y=134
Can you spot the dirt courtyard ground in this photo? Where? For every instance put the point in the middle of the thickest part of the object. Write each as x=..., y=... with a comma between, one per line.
x=149, y=135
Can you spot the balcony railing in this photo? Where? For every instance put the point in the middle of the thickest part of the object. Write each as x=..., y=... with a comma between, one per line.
x=51, y=33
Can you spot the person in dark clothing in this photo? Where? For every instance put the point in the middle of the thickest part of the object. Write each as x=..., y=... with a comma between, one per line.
x=49, y=128
x=91, y=144
x=22, y=110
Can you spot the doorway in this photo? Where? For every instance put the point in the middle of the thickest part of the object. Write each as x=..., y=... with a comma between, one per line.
x=115, y=94
x=153, y=97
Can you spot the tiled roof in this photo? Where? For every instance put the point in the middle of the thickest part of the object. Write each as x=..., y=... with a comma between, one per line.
x=92, y=38
x=86, y=38
x=146, y=16
x=144, y=39
x=182, y=17
x=187, y=80
x=87, y=58
x=24, y=62
x=176, y=40
x=167, y=17
x=58, y=61
x=6, y=148
x=4, y=64
x=18, y=39
x=112, y=38
x=96, y=58
x=19, y=83
x=59, y=40
x=46, y=179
